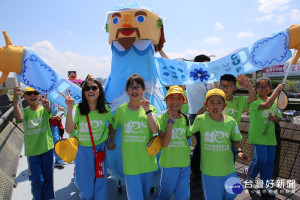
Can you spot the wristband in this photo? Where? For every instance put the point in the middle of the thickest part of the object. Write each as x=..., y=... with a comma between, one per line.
x=170, y=121
x=149, y=111
x=239, y=152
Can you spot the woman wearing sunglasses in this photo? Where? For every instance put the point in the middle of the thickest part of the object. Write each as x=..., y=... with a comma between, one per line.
x=93, y=107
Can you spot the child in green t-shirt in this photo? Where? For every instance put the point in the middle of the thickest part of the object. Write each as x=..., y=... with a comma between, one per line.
x=38, y=141
x=94, y=106
x=263, y=113
x=174, y=128
x=236, y=104
x=138, y=125
x=218, y=133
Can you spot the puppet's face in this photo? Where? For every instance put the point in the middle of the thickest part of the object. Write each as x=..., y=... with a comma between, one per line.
x=72, y=75
x=129, y=25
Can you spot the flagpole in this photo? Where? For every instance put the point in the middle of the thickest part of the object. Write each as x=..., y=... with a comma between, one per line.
x=289, y=66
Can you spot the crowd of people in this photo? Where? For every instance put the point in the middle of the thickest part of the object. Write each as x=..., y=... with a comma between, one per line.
x=213, y=117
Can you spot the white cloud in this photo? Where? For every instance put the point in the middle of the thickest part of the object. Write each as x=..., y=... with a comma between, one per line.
x=280, y=19
x=245, y=34
x=69, y=32
x=212, y=40
x=265, y=18
x=61, y=62
x=218, y=26
x=295, y=15
x=177, y=40
x=269, y=6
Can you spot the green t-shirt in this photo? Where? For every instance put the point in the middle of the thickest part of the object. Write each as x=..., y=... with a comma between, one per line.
x=185, y=107
x=98, y=126
x=235, y=107
x=177, y=154
x=216, y=137
x=135, y=136
x=38, y=137
x=259, y=123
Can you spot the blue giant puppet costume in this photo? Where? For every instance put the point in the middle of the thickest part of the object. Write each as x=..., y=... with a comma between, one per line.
x=135, y=33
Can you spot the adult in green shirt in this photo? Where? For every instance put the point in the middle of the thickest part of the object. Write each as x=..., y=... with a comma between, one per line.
x=137, y=121
x=94, y=106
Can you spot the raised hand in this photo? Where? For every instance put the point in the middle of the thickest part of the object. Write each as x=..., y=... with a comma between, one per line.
x=17, y=92
x=172, y=114
x=280, y=87
x=146, y=103
x=243, y=81
x=69, y=100
x=45, y=102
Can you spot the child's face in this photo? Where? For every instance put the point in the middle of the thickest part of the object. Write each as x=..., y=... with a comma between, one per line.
x=228, y=88
x=135, y=91
x=91, y=91
x=215, y=105
x=33, y=98
x=174, y=102
x=263, y=88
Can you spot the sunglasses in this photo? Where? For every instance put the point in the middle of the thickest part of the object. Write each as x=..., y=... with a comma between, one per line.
x=88, y=88
x=71, y=73
x=31, y=93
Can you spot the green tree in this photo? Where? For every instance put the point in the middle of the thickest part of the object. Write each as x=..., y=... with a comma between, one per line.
x=291, y=85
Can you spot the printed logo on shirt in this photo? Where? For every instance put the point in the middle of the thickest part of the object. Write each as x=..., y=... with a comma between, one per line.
x=229, y=111
x=96, y=126
x=34, y=123
x=215, y=136
x=35, y=126
x=135, y=127
x=265, y=114
x=178, y=133
x=176, y=139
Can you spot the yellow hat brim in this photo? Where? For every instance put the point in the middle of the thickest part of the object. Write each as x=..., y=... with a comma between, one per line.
x=67, y=149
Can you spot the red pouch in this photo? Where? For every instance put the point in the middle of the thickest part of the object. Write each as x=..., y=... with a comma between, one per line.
x=99, y=164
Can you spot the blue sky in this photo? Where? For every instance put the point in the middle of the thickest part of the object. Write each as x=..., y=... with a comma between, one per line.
x=69, y=34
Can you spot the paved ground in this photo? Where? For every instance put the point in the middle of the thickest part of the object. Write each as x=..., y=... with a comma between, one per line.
x=66, y=189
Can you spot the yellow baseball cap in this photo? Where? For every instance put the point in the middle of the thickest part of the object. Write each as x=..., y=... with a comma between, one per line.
x=213, y=92
x=29, y=89
x=175, y=89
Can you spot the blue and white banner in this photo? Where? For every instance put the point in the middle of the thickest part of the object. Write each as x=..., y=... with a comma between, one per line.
x=266, y=52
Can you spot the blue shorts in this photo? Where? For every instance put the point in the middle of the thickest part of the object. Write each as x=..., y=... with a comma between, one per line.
x=138, y=186
x=174, y=180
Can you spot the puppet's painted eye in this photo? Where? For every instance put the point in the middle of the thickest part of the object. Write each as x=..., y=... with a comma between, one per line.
x=116, y=20
x=140, y=19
